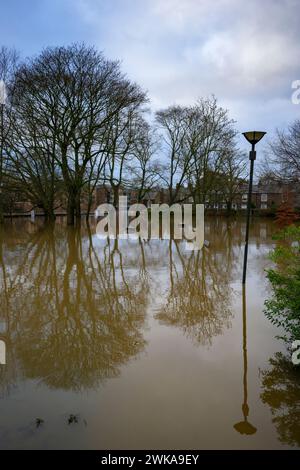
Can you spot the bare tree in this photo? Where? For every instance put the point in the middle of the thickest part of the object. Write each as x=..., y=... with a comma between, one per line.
x=122, y=133
x=144, y=169
x=233, y=172
x=173, y=123
x=284, y=154
x=32, y=168
x=210, y=134
x=8, y=64
x=74, y=94
x=197, y=139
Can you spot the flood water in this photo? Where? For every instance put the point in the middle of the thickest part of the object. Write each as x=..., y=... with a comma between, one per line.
x=130, y=344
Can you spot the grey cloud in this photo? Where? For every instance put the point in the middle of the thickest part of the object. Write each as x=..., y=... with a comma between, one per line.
x=247, y=53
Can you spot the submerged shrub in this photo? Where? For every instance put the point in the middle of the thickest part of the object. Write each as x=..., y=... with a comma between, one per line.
x=283, y=309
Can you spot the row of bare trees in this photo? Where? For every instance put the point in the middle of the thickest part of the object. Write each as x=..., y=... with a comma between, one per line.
x=72, y=120
x=282, y=162
x=200, y=143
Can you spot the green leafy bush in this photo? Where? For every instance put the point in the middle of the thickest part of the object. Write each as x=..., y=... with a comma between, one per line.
x=283, y=309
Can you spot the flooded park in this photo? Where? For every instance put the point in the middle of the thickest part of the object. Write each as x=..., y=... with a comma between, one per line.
x=126, y=344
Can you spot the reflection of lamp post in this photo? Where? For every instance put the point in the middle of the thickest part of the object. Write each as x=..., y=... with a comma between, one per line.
x=253, y=137
x=244, y=427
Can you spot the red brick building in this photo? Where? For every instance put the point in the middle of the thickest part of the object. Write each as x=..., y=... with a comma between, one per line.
x=267, y=196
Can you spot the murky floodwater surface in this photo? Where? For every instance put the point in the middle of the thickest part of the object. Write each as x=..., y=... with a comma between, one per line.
x=130, y=344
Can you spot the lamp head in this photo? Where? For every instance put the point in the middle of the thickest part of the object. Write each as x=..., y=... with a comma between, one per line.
x=253, y=136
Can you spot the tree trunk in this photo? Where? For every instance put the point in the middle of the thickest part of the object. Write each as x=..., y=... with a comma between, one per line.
x=116, y=196
x=50, y=216
x=229, y=208
x=89, y=207
x=71, y=210
x=77, y=208
x=1, y=214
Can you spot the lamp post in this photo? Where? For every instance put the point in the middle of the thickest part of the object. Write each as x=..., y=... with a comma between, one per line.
x=253, y=137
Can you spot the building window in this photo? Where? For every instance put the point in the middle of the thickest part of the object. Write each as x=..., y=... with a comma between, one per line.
x=244, y=197
x=244, y=206
x=264, y=198
x=264, y=205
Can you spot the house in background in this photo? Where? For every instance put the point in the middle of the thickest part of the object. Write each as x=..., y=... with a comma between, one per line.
x=267, y=196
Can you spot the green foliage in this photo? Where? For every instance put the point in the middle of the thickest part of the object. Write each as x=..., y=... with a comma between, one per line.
x=283, y=309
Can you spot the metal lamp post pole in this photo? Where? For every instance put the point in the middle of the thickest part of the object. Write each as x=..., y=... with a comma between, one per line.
x=252, y=157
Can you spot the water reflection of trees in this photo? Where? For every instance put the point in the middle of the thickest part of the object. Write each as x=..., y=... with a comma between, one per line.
x=198, y=301
x=74, y=306
x=281, y=391
x=73, y=314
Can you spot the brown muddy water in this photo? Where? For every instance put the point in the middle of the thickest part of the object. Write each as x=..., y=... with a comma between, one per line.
x=134, y=344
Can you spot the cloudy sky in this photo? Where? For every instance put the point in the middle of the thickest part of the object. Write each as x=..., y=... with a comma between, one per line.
x=245, y=52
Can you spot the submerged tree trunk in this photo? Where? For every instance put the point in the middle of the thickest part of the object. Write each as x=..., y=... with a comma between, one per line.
x=73, y=207
x=50, y=216
x=1, y=213
x=229, y=208
x=78, y=208
x=71, y=211
x=116, y=195
x=49, y=210
x=89, y=207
